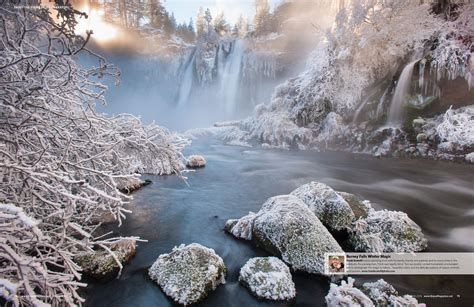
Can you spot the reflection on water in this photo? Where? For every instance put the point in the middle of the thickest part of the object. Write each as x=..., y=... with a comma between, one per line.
x=436, y=195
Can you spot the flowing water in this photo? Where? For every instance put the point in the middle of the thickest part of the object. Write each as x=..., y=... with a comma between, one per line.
x=230, y=77
x=436, y=195
x=187, y=81
x=395, y=113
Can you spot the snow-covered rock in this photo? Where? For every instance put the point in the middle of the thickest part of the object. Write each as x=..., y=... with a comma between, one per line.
x=188, y=273
x=101, y=264
x=330, y=207
x=347, y=295
x=403, y=301
x=470, y=157
x=132, y=184
x=195, y=161
x=268, y=278
x=379, y=291
x=360, y=208
x=387, y=231
x=241, y=228
x=286, y=227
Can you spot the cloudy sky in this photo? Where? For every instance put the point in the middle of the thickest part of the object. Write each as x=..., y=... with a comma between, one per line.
x=185, y=9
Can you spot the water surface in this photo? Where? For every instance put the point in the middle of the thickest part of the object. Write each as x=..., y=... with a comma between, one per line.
x=436, y=195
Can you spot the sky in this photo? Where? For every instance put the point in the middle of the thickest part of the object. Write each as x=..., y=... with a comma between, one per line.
x=185, y=9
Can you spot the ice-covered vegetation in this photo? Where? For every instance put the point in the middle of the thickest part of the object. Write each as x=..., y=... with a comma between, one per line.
x=188, y=273
x=379, y=293
x=62, y=164
x=268, y=278
x=356, y=62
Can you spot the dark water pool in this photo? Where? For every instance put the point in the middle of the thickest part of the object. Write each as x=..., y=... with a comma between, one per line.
x=437, y=195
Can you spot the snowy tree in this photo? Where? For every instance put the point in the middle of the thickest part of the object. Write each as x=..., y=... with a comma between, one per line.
x=241, y=27
x=61, y=163
x=200, y=22
x=220, y=24
x=156, y=13
x=262, y=16
x=208, y=19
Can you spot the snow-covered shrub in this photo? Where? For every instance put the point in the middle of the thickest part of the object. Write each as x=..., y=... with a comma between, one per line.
x=453, y=55
x=457, y=126
x=61, y=163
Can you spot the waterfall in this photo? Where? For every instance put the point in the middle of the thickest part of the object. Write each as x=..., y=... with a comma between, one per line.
x=187, y=82
x=395, y=112
x=230, y=77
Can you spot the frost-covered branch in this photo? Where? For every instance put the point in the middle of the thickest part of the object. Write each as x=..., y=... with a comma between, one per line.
x=61, y=163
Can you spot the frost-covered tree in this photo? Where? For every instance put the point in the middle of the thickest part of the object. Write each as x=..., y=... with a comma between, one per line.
x=200, y=22
x=62, y=164
x=220, y=24
x=156, y=13
x=241, y=27
x=369, y=41
x=262, y=16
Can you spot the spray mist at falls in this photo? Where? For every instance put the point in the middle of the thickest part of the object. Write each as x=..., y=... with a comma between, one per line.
x=223, y=89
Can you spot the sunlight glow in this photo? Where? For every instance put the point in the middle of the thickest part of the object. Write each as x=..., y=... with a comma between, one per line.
x=102, y=30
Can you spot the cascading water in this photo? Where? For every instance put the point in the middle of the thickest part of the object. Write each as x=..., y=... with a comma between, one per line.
x=187, y=82
x=395, y=113
x=230, y=77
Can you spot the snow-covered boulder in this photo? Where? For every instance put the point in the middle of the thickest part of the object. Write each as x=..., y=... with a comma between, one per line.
x=330, y=207
x=403, y=301
x=101, y=264
x=195, y=161
x=388, y=232
x=379, y=291
x=241, y=228
x=360, y=208
x=131, y=184
x=470, y=157
x=286, y=227
x=188, y=273
x=347, y=295
x=268, y=278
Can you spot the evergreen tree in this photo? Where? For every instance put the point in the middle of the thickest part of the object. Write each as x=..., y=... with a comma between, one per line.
x=156, y=13
x=262, y=16
x=208, y=19
x=200, y=22
x=220, y=24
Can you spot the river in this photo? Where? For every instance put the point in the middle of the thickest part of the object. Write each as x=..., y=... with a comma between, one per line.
x=438, y=196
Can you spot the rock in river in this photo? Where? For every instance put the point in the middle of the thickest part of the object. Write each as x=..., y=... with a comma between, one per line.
x=387, y=231
x=188, y=273
x=328, y=205
x=268, y=278
x=379, y=293
x=195, y=161
x=101, y=264
x=285, y=227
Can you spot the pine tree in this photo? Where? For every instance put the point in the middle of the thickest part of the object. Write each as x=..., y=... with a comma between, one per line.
x=242, y=27
x=220, y=24
x=156, y=13
x=200, y=22
x=262, y=16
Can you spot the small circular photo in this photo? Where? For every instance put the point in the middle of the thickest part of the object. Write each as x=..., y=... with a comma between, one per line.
x=336, y=264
